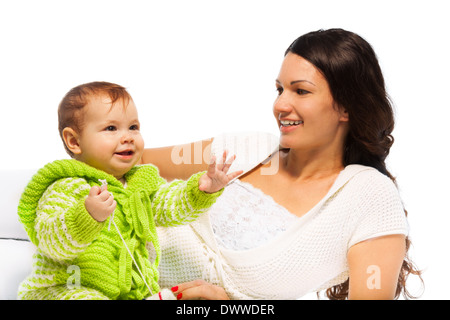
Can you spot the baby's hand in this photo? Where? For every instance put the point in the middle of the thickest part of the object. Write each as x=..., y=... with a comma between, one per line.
x=216, y=177
x=100, y=203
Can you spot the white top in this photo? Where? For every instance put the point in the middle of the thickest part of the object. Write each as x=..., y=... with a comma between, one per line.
x=244, y=217
x=285, y=259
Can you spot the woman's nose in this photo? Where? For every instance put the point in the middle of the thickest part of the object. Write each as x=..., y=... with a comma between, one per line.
x=282, y=104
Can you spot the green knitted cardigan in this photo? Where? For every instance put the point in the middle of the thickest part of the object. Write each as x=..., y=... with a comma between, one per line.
x=54, y=216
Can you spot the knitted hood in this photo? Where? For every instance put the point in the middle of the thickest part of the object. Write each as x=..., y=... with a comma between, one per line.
x=47, y=175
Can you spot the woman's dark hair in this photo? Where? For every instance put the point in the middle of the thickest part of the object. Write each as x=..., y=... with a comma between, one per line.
x=356, y=82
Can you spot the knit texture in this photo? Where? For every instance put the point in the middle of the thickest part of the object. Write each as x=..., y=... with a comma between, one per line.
x=308, y=256
x=53, y=214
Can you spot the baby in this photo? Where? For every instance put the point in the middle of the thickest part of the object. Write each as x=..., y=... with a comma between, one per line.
x=68, y=206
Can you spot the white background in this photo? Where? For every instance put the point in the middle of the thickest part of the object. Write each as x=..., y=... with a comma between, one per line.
x=199, y=68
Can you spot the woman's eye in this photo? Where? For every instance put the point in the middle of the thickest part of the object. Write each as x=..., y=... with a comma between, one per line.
x=110, y=128
x=280, y=91
x=302, y=92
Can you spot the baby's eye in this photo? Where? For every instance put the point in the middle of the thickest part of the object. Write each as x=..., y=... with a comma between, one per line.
x=134, y=127
x=110, y=128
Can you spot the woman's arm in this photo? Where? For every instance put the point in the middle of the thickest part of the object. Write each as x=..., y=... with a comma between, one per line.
x=374, y=267
x=180, y=161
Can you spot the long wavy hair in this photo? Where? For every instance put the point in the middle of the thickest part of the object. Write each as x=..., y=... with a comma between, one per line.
x=351, y=67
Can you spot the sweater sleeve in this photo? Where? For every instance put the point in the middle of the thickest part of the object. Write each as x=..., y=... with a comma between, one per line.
x=63, y=225
x=181, y=202
x=378, y=209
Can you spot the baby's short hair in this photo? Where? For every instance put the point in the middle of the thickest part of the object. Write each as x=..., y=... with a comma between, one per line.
x=70, y=110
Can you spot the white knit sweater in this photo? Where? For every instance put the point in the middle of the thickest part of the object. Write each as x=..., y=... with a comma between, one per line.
x=292, y=257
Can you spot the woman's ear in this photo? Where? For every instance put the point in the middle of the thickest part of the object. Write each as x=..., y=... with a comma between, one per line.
x=343, y=115
x=71, y=139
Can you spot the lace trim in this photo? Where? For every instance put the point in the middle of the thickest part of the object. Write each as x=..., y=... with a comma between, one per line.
x=244, y=217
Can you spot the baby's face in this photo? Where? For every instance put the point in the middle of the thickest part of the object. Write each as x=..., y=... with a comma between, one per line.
x=110, y=139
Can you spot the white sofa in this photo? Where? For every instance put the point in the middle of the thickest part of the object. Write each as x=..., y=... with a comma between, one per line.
x=16, y=250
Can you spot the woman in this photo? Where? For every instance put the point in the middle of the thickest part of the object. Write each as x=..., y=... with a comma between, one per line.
x=330, y=216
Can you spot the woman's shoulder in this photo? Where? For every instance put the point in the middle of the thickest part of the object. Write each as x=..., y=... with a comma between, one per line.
x=374, y=205
x=370, y=184
x=365, y=174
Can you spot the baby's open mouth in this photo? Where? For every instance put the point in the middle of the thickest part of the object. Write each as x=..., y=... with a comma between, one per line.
x=125, y=153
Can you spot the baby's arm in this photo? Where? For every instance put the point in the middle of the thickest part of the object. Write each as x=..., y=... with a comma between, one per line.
x=64, y=226
x=181, y=202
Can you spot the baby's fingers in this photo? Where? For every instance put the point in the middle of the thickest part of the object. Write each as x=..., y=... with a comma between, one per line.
x=235, y=174
x=109, y=200
x=112, y=206
x=212, y=166
x=105, y=194
x=95, y=191
x=222, y=163
x=228, y=164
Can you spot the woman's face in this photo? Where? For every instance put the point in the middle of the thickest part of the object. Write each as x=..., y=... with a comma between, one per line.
x=305, y=111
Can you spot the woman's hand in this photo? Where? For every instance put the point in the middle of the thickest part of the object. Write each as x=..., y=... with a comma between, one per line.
x=199, y=289
x=216, y=177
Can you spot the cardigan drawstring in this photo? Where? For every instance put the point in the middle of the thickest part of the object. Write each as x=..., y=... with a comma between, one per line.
x=136, y=208
x=213, y=269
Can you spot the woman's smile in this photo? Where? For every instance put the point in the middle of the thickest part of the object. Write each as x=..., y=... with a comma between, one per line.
x=289, y=125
